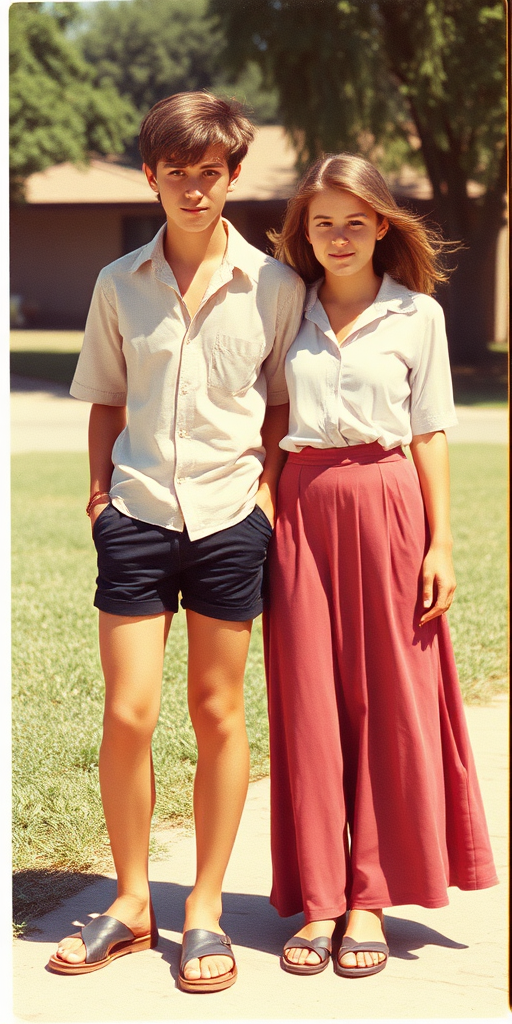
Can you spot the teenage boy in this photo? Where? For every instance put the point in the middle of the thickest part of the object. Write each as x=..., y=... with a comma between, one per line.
x=183, y=361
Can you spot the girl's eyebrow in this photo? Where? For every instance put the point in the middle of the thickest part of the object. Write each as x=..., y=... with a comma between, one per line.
x=325, y=216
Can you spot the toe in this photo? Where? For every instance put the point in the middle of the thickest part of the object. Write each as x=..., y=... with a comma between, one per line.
x=71, y=950
x=192, y=970
x=348, y=960
x=215, y=966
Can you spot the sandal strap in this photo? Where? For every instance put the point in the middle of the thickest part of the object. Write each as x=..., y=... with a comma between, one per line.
x=350, y=945
x=321, y=945
x=198, y=942
x=101, y=934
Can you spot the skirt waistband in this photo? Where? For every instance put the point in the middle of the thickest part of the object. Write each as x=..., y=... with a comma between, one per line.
x=354, y=453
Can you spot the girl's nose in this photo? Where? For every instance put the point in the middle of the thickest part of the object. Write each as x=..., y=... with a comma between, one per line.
x=339, y=240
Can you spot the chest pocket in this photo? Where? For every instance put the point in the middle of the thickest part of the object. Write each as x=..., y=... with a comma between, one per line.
x=235, y=363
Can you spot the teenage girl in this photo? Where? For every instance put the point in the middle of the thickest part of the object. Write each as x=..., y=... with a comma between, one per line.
x=375, y=800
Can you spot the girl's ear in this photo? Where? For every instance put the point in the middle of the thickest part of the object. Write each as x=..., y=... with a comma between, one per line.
x=382, y=228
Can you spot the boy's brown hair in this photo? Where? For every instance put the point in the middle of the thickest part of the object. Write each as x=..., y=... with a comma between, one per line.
x=183, y=126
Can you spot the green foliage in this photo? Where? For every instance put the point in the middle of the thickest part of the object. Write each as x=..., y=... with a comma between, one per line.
x=149, y=49
x=57, y=113
x=344, y=69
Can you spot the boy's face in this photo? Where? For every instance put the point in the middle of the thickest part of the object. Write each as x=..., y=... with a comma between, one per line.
x=193, y=196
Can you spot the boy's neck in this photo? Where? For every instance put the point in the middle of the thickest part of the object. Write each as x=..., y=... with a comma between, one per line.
x=188, y=250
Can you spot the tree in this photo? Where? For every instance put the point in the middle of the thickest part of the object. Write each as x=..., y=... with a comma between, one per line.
x=375, y=75
x=149, y=49
x=57, y=113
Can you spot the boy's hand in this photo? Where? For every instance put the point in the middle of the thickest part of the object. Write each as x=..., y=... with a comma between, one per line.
x=266, y=503
x=96, y=510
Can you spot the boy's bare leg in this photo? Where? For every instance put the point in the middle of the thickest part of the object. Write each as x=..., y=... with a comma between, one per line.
x=216, y=665
x=132, y=652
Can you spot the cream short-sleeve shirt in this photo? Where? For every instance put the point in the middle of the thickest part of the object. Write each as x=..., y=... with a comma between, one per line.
x=196, y=389
x=388, y=380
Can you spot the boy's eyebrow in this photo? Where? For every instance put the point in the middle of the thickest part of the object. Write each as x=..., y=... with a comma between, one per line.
x=180, y=163
x=328, y=216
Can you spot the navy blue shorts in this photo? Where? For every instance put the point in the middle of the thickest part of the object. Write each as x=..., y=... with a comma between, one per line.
x=142, y=568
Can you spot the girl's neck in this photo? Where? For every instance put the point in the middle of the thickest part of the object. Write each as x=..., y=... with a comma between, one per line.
x=358, y=290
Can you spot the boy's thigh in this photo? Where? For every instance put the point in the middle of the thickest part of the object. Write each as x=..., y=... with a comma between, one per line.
x=222, y=575
x=138, y=565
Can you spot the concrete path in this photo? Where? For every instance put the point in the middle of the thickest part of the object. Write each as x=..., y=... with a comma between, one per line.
x=47, y=419
x=444, y=964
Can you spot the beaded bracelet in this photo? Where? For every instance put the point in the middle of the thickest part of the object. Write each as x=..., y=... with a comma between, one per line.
x=95, y=500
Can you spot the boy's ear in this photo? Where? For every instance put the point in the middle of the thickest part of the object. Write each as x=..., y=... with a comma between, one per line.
x=151, y=177
x=234, y=178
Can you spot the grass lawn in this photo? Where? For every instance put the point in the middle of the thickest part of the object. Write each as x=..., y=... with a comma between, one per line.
x=57, y=682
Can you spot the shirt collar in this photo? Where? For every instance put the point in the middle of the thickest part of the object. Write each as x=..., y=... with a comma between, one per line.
x=239, y=253
x=391, y=296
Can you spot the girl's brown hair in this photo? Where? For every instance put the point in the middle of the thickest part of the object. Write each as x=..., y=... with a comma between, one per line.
x=183, y=126
x=410, y=252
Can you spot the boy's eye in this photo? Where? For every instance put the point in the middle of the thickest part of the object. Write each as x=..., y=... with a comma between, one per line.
x=175, y=173
x=210, y=173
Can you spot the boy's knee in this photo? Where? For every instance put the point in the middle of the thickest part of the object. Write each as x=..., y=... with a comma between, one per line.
x=217, y=714
x=132, y=722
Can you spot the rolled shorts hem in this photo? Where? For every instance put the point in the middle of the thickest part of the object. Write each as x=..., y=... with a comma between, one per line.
x=225, y=614
x=133, y=608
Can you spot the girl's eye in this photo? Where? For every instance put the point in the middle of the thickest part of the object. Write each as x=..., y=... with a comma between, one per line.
x=356, y=223
x=324, y=224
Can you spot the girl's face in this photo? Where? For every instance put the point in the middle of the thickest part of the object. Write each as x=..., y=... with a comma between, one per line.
x=343, y=230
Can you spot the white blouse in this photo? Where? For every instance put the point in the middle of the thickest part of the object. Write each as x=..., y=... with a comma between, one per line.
x=388, y=381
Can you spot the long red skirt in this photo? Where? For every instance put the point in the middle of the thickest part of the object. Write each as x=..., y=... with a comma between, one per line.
x=375, y=800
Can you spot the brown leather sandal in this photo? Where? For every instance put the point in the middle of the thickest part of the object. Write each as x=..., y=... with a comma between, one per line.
x=198, y=942
x=105, y=938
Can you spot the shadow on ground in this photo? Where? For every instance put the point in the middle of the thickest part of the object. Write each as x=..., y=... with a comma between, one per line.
x=34, y=892
x=249, y=919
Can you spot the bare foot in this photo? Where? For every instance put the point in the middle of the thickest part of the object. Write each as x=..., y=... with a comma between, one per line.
x=202, y=916
x=364, y=926
x=313, y=930
x=133, y=912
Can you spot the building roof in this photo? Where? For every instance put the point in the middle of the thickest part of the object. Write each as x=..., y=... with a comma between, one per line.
x=268, y=172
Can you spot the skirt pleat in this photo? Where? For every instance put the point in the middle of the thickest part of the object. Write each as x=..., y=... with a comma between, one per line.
x=375, y=800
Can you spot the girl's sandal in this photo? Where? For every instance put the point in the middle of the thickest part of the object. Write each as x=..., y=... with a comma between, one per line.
x=105, y=938
x=321, y=945
x=349, y=945
x=196, y=943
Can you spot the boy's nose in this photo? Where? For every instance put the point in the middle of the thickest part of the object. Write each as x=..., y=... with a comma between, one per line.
x=193, y=192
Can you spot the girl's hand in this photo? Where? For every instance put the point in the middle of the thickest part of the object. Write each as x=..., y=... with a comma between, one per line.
x=438, y=583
